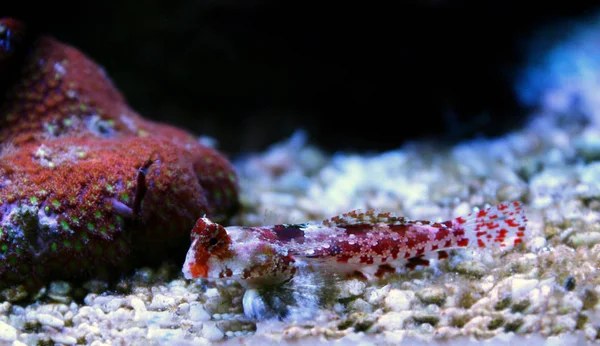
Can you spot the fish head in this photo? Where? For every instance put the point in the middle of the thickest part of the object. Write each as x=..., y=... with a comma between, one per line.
x=210, y=246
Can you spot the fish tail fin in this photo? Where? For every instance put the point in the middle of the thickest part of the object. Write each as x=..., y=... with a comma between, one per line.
x=501, y=226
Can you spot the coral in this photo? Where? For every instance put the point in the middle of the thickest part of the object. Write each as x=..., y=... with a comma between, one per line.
x=86, y=184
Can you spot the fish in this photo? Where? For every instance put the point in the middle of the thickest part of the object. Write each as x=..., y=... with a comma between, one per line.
x=367, y=243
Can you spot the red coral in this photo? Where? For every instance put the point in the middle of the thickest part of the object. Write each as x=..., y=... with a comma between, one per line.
x=85, y=182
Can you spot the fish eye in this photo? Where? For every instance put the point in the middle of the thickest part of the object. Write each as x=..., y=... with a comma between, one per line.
x=213, y=241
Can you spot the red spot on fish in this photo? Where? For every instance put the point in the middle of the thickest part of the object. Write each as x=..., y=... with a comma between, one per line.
x=288, y=233
x=400, y=229
x=520, y=234
x=502, y=206
x=460, y=220
x=491, y=225
x=359, y=229
x=479, y=234
x=462, y=242
x=366, y=259
x=480, y=243
x=441, y=234
x=521, y=228
x=442, y=255
x=384, y=269
x=416, y=261
x=344, y=258
x=511, y=223
x=482, y=213
x=518, y=240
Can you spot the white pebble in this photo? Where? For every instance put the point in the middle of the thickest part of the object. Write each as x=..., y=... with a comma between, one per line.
x=164, y=335
x=138, y=305
x=211, y=332
x=113, y=304
x=18, y=343
x=536, y=244
x=50, y=320
x=140, y=309
x=521, y=287
x=7, y=332
x=571, y=302
x=183, y=309
x=63, y=339
x=5, y=307
x=161, y=302
x=394, y=320
x=161, y=318
x=212, y=293
x=352, y=288
x=377, y=295
x=399, y=300
x=462, y=209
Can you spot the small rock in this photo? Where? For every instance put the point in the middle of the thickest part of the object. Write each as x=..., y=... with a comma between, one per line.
x=212, y=293
x=432, y=295
x=7, y=332
x=394, y=320
x=183, y=309
x=511, y=192
x=165, y=335
x=570, y=303
x=377, y=295
x=211, y=332
x=5, y=307
x=429, y=315
x=160, y=318
x=95, y=286
x=143, y=276
x=521, y=287
x=399, y=300
x=584, y=238
x=63, y=339
x=59, y=288
x=564, y=323
x=462, y=209
x=140, y=309
x=537, y=243
x=351, y=288
x=161, y=302
x=112, y=304
x=475, y=269
x=14, y=294
x=360, y=305
x=50, y=320
x=197, y=312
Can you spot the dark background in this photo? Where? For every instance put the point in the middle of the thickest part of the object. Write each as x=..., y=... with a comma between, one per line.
x=358, y=76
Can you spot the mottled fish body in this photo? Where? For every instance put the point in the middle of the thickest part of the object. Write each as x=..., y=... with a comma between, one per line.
x=367, y=242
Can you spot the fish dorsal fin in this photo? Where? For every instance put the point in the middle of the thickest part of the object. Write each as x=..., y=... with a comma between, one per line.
x=368, y=216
